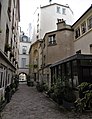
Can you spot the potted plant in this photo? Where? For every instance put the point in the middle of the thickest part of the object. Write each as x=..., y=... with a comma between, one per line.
x=84, y=102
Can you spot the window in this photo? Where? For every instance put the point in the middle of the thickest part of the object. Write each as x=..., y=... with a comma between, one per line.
x=44, y=58
x=37, y=36
x=14, y=2
x=9, y=10
x=24, y=49
x=83, y=27
x=23, y=62
x=38, y=17
x=37, y=28
x=77, y=32
x=1, y=79
x=90, y=22
x=7, y=37
x=74, y=73
x=0, y=11
x=90, y=48
x=68, y=73
x=52, y=39
x=63, y=11
x=58, y=9
x=25, y=39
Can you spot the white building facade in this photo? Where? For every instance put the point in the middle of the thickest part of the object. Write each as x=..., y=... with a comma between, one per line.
x=83, y=33
x=9, y=36
x=24, y=46
x=46, y=17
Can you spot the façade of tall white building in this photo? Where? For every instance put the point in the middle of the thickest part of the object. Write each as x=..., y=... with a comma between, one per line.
x=46, y=17
x=24, y=45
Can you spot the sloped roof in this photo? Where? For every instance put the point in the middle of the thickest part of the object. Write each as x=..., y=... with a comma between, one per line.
x=90, y=8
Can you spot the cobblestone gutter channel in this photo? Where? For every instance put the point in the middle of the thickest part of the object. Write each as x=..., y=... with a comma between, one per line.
x=27, y=103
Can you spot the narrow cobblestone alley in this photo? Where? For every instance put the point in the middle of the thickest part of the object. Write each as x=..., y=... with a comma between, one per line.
x=27, y=103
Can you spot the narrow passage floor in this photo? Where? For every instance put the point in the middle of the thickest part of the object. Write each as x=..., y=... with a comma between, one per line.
x=28, y=103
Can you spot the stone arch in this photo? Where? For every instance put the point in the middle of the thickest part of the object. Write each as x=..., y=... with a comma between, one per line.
x=22, y=76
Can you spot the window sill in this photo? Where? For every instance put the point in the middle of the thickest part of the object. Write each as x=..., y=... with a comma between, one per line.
x=82, y=35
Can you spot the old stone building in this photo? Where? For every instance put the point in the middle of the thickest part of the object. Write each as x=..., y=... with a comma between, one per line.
x=60, y=46
x=57, y=45
x=78, y=67
x=35, y=59
x=9, y=36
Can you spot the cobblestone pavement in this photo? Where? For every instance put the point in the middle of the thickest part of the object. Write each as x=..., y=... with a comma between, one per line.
x=27, y=103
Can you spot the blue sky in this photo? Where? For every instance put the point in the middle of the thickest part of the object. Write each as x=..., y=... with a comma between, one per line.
x=27, y=8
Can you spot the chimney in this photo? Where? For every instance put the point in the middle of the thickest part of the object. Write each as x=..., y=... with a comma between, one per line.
x=61, y=24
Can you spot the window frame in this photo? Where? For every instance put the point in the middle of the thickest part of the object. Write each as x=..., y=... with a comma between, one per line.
x=63, y=11
x=58, y=9
x=24, y=49
x=83, y=27
x=77, y=32
x=89, y=22
x=52, y=39
x=23, y=64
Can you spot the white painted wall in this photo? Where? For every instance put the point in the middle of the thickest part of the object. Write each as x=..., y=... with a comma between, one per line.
x=48, y=18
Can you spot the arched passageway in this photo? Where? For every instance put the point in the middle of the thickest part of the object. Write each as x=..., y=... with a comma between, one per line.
x=22, y=77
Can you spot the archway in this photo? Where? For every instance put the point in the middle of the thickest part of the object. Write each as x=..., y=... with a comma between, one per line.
x=22, y=77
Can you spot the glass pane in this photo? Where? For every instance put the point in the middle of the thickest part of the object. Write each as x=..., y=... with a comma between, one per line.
x=74, y=73
x=68, y=73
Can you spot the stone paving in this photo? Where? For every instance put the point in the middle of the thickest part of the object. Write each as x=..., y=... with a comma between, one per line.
x=28, y=103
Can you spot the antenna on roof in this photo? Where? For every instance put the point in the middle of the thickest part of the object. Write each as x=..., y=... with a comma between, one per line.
x=50, y=1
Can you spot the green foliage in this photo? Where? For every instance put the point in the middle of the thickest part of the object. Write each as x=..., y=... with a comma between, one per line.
x=85, y=102
x=62, y=91
x=41, y=86
x=29, y=81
